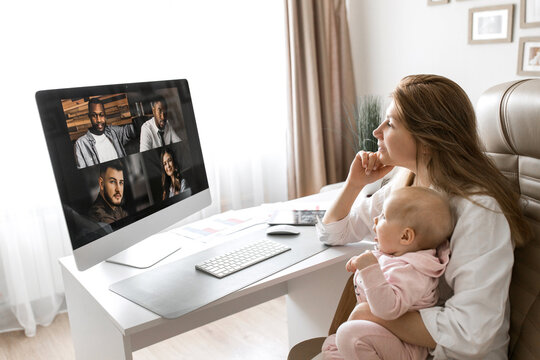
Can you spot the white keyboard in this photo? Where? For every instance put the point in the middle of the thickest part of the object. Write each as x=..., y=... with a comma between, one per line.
x=231, y=262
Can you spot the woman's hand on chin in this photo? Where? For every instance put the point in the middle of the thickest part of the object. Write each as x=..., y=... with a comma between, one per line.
x=365, y=169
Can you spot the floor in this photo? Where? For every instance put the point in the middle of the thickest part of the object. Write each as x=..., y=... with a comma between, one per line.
x=256, y=333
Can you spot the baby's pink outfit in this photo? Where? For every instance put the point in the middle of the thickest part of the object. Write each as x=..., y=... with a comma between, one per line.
x=392, y=287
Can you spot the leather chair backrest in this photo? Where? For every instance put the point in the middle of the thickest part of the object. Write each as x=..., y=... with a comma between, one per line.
x=509, y=124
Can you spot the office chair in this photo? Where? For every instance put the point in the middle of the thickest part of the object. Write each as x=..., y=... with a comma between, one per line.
x=509, y=123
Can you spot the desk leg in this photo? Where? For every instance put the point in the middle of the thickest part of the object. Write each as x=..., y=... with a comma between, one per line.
x=94, y=335
x=312, y=300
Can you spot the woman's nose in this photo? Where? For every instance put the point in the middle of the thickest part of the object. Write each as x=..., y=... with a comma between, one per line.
x=377, y=133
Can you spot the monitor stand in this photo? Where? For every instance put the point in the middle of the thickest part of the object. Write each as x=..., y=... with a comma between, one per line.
x=149, y=251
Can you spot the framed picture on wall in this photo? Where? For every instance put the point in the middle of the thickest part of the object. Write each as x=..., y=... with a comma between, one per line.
x=490, y=24
x=529, y=56
x=529, y=13
x=437, y=2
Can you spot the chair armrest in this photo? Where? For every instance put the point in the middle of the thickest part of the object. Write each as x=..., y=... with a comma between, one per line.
x=346, y=304
x=306, y=349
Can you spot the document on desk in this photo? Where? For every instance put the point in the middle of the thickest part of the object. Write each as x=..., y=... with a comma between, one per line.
x=223, y=224
x=177, y=288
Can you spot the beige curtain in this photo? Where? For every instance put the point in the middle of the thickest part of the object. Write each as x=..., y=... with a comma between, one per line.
x=321, y=94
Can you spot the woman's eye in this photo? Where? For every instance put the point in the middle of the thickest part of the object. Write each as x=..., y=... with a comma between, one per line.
x=389, y=124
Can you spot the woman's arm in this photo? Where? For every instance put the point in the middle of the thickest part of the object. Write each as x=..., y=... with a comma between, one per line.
x=473, y=322
x=365, y=169
x=342, y=205
x=409, y=327
x=340, y=225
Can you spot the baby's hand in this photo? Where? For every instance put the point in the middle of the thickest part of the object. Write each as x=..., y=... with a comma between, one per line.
x=349, y=266
x=361, y=261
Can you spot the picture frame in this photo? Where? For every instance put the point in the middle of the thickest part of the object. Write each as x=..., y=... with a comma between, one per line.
x=529, y=56
x=529, y=14
x=437, y=2
x=491, y=24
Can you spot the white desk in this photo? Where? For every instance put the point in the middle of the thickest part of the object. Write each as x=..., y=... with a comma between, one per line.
x=107, y=326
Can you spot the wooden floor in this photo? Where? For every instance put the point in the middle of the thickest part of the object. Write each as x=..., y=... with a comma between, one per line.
x=257, y=333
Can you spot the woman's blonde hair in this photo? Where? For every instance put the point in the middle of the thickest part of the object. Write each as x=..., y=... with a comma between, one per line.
x=440, y=117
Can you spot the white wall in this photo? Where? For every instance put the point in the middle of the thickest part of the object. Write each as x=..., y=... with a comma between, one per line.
x=232, y=52
x=395, y=38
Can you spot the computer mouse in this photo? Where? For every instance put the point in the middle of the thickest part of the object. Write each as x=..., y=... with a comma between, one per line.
x=282, y=230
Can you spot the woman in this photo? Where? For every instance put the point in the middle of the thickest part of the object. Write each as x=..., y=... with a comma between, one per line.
x=430, y=131
x=171, y=182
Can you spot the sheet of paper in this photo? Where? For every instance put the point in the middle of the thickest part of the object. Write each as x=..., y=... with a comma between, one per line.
x=223, y=224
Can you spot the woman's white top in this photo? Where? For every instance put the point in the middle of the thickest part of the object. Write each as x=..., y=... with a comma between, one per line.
x=473, y=323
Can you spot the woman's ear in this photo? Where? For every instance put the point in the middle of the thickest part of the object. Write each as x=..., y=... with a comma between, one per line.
x=407, y=236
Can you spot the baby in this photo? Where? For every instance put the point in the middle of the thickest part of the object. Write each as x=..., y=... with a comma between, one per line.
x=400, y=276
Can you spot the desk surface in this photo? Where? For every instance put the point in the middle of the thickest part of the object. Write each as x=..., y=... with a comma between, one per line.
x=130, y=319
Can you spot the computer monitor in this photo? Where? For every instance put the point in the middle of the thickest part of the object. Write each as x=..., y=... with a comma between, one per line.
x=127, y=162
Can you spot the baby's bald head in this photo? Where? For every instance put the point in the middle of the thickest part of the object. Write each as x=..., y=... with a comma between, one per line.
x=424, y=210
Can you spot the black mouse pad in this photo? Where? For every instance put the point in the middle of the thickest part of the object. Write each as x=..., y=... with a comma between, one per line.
x=175, y=289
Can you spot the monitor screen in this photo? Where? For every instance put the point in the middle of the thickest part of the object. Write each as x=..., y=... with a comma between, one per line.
x=127, y=161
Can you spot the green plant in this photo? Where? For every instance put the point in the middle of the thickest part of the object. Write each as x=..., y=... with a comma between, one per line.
x=365, y=117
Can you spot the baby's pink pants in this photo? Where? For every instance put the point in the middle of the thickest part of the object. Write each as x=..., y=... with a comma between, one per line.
x=366, y=340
